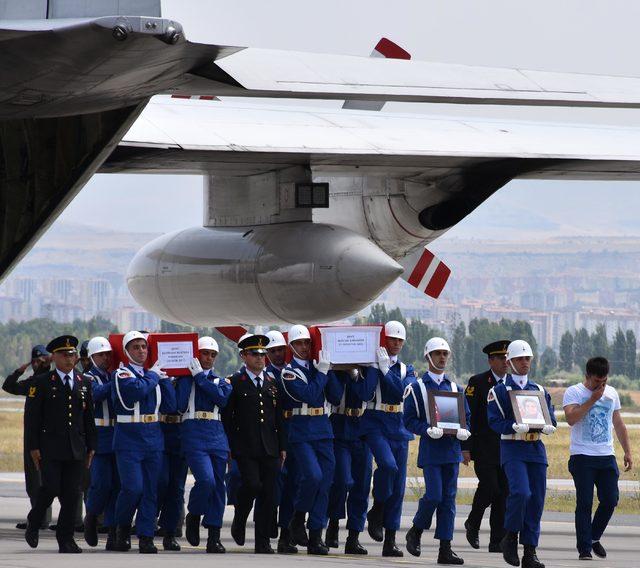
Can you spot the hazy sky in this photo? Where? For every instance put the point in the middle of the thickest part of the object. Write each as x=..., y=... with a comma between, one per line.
x=577, y=35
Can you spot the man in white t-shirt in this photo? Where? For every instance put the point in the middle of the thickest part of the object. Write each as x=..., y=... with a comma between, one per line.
x=592, y=409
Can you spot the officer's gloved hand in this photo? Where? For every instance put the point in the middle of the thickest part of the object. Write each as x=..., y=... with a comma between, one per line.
x=158, y=371
x=435, y=432
x=463, y=434
x=323, y=364
x=384, y=361
x=520, y=428
x=548, y=429
x=195, y=367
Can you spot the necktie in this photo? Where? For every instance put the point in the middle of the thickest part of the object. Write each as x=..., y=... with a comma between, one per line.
x=258, y=382
x=67, y=382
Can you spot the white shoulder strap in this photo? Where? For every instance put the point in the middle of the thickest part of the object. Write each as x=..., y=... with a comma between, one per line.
x=423, y=392
x=403, y=371
x=158, y=398
x=493, y=396
x=130, y=409
x=454, y=387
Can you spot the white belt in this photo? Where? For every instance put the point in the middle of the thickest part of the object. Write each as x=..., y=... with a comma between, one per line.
x=527, y=437
x=103, y=422
x=309, y=411
x=203, y=415
x=145, y=418
x=384, y=407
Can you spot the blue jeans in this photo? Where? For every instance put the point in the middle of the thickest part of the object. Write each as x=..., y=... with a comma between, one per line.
x=587, y=471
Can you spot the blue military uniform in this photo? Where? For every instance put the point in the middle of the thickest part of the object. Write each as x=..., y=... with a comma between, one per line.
x=524, y=459
x=138, y=444
x=382, y=428
x=352, y=478
x=439, y=459
x=204, y=442
x=310, y=439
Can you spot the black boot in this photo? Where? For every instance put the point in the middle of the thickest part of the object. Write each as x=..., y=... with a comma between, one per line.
x=111, y=539
x=509, y=545
x=297, y=531
x=353, y=546
x=192, y=529
x=214, y=545
x=530, y=558
x=69, y=546
x=32, y=535
x=146, y=546
x=239, y=527
x=389, y=547
x=495, y=546
x=284, y=542
x=123, y=538
x=413, y=540
x=91, y=529
x=169, y=542
x=331, y=536
x=473, y=537
x=446, y=555
x=375, y=518
x=316, y=546
x=263, y=546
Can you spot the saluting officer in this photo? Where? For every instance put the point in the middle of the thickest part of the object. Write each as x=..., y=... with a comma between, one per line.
x=201, y=398
x=310, y=438
x=349, y=495
x=105, y=482
x=484, y=449
x=138, y=442
x=61, y=437
x=439, y=456
x=523, y=457
x=382, y=429
x=252, y=419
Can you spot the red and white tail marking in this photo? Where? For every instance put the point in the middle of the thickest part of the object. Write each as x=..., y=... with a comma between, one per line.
x=429, y=274
x=389, y=50
x=196, y=97
x=233, y=333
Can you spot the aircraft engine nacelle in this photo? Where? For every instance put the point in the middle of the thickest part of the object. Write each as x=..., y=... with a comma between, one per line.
x=287, y=273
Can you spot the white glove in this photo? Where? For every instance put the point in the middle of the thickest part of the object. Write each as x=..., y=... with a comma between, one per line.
x=195, y=367
x=520, y=428
x=463, y=434
x=548, y=429
x=158, y=371
x=384, y=362
x=323, y=364
x=435, y=432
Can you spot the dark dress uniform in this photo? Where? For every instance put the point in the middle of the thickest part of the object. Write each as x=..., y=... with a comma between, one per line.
x=59, y=422
x=252, y=419
x=484, y=445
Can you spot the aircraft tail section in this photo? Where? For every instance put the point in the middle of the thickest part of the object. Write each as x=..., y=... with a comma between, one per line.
x=426, y=272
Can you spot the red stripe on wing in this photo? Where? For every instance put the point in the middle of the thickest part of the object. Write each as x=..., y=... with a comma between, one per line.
x=391, y=50
x=438, y=280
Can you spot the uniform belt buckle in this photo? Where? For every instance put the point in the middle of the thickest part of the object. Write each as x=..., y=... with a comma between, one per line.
x=392, y=407
x=148, y=418
x=531, y=436
x=288, y=413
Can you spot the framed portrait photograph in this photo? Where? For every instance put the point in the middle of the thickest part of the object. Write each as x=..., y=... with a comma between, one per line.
x=530, y=407
x=446, y=411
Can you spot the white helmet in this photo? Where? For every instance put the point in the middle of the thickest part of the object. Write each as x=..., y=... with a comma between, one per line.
x=395, y=329
x=436, y=344
x=98, y=345
x=129, y=337
x=276, y=339
x=298, y=332
x=519, y=348
x=209, y=343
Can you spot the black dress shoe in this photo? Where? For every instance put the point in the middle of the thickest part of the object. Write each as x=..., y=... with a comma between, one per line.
x=495, y=547
x=297, y=531
x=530, y=558
x=375, y=519
x=214, y=546
x=331, y=536
x=389, y=547
x=146, y=546
x=353, y=546
x=509, y=545
x=111, y=540
x=598, y=549
x=123, y=538
x=316, y=547
x=285, y=546
x=264, y=548
x=585, y=556
x=473, y=537
x=169, y=542
x=413, y=540
x=53, y=527
x=192, y=529
x=238, y=529
x=91, y=529
x=32, y=536
x=69, y=547
x=448, y=556
x=22, y=526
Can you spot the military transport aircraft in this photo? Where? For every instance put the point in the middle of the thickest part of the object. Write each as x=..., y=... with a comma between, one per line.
x=310, y=213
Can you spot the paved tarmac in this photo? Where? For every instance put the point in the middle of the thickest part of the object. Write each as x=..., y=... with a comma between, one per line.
x=557, y=549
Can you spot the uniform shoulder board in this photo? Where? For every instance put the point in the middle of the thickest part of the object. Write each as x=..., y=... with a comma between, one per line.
x=292, y=374
x=32, y=392
x=124, y=373
x=407, y=391
x=470, y=390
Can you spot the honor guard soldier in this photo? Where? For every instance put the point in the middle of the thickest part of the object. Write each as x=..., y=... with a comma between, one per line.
x=287, y=485
x=138, y=442
x=310, y=439
x=484, y=449
x=105, y=482
x=382, y=429
x=349, y=495
x=439, y=456
x=252, y=419
x=61, y=436
x=523, y=457
x=201, y=398
x=39, y=363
